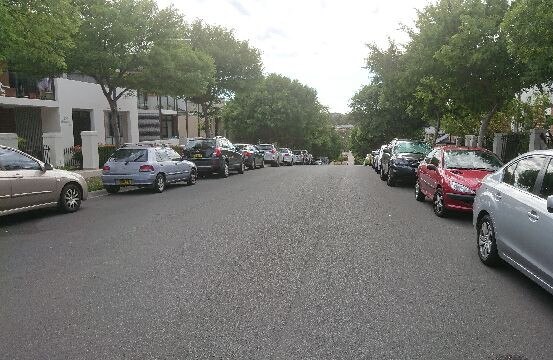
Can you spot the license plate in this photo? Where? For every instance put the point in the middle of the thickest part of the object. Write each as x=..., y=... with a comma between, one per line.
x=198, y=156
x=125, y=182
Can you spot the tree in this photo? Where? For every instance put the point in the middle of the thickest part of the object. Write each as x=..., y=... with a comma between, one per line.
x=237, y=65
x=529, y=29
x=132, y=44
x=36, y=34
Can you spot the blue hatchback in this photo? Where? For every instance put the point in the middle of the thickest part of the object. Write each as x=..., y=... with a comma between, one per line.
x=146, y=166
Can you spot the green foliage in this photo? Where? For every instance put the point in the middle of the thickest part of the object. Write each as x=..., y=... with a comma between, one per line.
x=94, y=183
x=237, y=66
x=284, y=111
x=529, y=29
x=36, y=34
x=104, y=152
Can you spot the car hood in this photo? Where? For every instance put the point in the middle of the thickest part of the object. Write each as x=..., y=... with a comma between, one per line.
x=410, y=156
x=470, y=178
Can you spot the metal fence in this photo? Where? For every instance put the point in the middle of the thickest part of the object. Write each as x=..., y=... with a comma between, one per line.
x=514, y=144
x=40, y=152
x=73, y=158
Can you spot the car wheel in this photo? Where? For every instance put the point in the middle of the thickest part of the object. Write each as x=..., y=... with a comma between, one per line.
x=192, y=178
x=418, y=193
x=225, y=170
x=390, y=179
x=438, y=203
x=485, y=239
x=70, y=198
x=159, y=183
x=241, y=169
x=112, y=189
x=254, y=166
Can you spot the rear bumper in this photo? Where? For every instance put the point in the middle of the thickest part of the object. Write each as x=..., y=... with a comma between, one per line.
x=288, y=160
x=207, y=165
x=141, y=179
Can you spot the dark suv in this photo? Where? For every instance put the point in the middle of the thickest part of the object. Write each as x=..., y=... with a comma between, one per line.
x=400, y=160
x=214, y=155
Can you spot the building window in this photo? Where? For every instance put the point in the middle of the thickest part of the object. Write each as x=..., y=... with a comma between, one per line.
x=169, y=127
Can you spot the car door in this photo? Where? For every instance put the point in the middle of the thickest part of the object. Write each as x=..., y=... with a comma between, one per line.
x=181, y=168
x=539, y=237
x=426, y=176
x=517, y=204
x=6, y=179
x=30, y=185
x=235, y=155
x=166, y=166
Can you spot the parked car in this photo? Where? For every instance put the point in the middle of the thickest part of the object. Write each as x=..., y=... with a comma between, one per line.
x=253, y=157
x=513, y=217
x=214, y=155
x=305, y=156
x=400, y=160
x=450, y=176
x=368, y=160
x=377, y=159
x=271, y=155
x=27, y=183
x=298, y=156
x=146, y=165
x=318, y=162
x=287, y=156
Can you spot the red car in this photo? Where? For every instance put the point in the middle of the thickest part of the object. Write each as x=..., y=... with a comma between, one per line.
x=450, y=176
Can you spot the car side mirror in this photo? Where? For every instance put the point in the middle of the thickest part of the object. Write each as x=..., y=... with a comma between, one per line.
x=386, y=151
x=48, y=167
x=432, y=167
x=550, y=204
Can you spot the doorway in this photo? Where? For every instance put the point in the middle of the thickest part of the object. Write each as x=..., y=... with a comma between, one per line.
x=81, y=122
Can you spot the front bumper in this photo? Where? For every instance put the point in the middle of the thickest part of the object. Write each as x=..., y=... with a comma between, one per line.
x=404, y=172
x=459, y=202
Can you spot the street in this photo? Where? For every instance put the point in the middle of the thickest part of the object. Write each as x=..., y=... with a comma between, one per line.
x=319, y=262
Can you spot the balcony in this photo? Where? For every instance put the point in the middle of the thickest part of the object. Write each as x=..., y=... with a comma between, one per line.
x=18, y=85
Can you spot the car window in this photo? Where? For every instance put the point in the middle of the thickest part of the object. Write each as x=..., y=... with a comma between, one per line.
x=471, y=159
x=161, y=155
x=200, y=144
x=547, y=184
x=413, y=147
x=12, y=160
x=526, y=172
x=173, y=155
x=429, y=157
x=130, y=155
x=509, y=174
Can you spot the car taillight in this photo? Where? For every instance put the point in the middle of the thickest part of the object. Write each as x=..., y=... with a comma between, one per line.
x=273, y=151
x=217, y=152
x=247, y=154
x=146, y=168
x=106, y=168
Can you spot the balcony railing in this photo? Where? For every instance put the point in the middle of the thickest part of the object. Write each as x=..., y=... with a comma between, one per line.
x=20, y=85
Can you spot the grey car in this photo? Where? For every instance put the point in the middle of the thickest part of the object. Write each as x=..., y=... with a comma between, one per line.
x=513, y=216
x=27, y=183
x=146, y=166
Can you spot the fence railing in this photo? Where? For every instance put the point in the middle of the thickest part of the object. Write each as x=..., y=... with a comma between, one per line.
x=514, y=144
x=40, y=152
x=104, y=152
x=73, y=158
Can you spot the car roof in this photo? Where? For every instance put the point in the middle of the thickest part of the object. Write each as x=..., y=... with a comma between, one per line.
x=457, y=147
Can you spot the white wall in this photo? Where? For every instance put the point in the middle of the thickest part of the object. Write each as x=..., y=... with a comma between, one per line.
x=71, y=94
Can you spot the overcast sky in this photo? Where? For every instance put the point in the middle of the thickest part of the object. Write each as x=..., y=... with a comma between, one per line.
x=319, y=42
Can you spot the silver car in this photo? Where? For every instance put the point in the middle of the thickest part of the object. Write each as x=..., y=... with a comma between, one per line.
x=146, y=166
x=27, y=183
x=513, y=216
x=287, y=156
x=271, y=154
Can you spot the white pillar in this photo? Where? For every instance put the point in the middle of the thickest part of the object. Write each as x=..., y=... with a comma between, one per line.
x=471, y=140
x=90, y=149
x=8, y=139
x=54, y=141
x=536, y=140
x=498, y=144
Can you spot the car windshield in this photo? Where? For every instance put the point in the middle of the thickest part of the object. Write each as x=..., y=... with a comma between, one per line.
x=297, y=152
x=265, y=147
x=200, y=143
x=471, y=160
x=130, y=155
x=241, y=147
x=412, y=147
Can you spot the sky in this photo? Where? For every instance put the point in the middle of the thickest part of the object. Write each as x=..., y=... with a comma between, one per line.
x=321, y=43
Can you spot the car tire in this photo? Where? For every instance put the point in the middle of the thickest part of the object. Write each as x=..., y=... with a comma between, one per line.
x=390, y=179
x=242, y=167
x=438, y=204
x=419, y=195
x=224, y=172
x=159, y=183
x=192, y=178
x=112, y=189
x=70, y=198
x=254, y=166
x=485, y=241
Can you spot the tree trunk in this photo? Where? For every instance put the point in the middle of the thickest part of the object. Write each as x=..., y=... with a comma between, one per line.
x=186, y=117
x=484, y=126
x=114, y=122
x=437, y=130
x=206, y=121
x=160, y=114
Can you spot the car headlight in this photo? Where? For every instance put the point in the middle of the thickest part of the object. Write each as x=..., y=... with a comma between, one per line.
x=461, y=188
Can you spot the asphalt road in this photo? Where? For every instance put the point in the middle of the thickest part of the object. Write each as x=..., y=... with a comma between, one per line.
x=304, y=262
